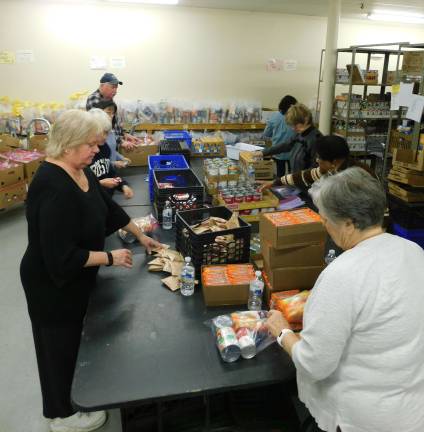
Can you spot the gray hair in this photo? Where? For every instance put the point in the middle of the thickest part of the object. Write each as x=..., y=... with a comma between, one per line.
x=103, y=119
x=352, y=194
x=71, y=129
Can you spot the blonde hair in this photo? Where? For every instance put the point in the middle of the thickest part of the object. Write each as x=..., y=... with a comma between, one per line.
x=72, y=129
x=298, y=114
x=102, y=118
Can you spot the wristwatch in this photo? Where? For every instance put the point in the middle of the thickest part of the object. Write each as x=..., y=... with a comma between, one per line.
x=109, y=259
x=281, y=336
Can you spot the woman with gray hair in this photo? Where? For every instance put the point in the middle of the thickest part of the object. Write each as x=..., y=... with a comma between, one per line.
x=69, y=215
x=360, y=355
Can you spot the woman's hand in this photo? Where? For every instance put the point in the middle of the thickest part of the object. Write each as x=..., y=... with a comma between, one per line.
x=122, y=257
x=127, y=191
x=258, y=155
x=266, y=185
x=149, y=243
x=128, y=145
x=109, y=183
x=276, y=322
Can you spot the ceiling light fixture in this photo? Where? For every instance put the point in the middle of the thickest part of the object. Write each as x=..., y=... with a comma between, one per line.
x=156, y=2
x=396, y=16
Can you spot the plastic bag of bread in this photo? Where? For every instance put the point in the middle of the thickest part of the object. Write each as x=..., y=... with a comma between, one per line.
x=291, y=304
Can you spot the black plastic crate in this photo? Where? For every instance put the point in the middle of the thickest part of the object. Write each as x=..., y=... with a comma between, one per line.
x=168, y=147
x=203, y=248
x=184, y=181
x=408, y=215
x=158, y=207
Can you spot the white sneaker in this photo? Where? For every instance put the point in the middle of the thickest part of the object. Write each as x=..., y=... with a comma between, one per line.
x=79, y=422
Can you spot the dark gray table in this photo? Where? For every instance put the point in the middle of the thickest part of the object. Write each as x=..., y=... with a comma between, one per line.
x=142, y=342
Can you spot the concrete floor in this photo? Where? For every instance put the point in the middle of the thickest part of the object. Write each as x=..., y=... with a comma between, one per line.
x=20, y=396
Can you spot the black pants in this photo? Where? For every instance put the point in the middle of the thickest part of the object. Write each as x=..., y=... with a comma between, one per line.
x=56, y=349
x=281, y=167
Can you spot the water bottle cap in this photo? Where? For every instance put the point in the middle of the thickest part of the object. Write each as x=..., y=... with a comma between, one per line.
x=258, y=273
x=332, y=251
x=187, y=259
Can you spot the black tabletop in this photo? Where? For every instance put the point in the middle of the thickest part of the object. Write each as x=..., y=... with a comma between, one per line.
x=142, y=342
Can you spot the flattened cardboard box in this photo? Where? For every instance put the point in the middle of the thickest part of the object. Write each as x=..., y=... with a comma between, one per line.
x=225, y=295
x=13, y=194
x=288, y=278
x=140, y=154
x=298, y=256
x=289, y=236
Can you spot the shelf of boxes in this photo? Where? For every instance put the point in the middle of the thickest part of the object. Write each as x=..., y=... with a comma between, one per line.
x=149, y=127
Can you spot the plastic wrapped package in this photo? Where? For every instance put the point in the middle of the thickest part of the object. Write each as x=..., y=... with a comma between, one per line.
x=146, y=224
x=127, y=111
x=240, y=334
x=291, y=304
x=200, y=113
x=147, y=112
x=216, y=113
x=165, y=112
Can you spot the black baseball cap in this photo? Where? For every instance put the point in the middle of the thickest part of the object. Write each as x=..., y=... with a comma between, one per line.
x=110, y=78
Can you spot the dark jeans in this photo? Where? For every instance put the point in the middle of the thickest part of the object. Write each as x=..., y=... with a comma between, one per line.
x=281, y=167
x=56, y=349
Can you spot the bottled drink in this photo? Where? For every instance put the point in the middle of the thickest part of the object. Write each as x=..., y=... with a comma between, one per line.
x=251, y=173
x=167, y=216
x=187, y=278
x=255, y=293
x=330, y=257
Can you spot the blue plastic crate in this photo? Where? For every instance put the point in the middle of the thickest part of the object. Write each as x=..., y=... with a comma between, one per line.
x=415, y=235
x=164, y=162
x=178, y=135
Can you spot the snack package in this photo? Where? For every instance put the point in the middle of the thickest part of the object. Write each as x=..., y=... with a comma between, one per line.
x=291, y=304
x=146, y=224
x=240, y=334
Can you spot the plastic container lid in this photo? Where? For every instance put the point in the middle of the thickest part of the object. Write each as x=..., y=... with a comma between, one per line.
x=187, y=259
x=258, y=273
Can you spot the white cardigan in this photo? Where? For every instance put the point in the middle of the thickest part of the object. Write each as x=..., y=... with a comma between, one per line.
x=360, y=361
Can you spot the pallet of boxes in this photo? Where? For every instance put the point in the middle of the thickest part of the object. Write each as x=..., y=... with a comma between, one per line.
x=17, y=168
x=406, y=194
x=292, y=244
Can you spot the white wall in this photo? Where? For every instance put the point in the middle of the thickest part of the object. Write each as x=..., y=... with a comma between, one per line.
x=170, y=52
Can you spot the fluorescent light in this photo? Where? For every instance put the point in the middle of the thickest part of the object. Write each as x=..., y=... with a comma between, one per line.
x=396, y=16
x=160, y=2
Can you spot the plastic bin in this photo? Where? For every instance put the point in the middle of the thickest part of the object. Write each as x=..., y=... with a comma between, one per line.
x=407, y=215
x=202, y=248
x=415, y=235
x=178, y=135
x=164, y=162
x=170, y=147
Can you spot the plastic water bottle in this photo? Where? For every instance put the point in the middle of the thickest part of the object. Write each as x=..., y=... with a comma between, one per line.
x=330, y=257
x=256, y=289
x=251, y=173
x=167, y=216
x=187, y=278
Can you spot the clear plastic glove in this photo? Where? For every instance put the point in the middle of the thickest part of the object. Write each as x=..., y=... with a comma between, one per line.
x=128, y=145
x=149, y=243
x=276, y=322
x=122, y=257
x=110, y=183
x=127, y=191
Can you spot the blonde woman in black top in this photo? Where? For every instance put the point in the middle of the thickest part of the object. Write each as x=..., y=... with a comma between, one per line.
x=69, y=215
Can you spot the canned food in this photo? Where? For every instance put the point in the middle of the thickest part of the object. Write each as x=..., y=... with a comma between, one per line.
x=223, y=170
x=257, y=196
x=228, y=199
x=248, y=197
x=223, y=184
x=239, y=198
x=246, y=343
x=232, y=183
x=227, y=343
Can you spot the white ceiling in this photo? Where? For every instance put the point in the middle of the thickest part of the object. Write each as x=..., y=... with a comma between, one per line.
x=350, y=8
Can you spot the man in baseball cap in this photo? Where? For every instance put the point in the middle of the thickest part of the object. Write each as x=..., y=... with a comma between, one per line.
x=107, y=90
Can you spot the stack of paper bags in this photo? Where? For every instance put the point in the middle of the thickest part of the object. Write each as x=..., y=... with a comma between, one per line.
x=169, y=261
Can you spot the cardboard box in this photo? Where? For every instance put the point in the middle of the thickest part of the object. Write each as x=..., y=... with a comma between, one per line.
x=371, y=77
x=413, y=62
x=12, y=175
x=8, y=142
x=289, y=278
x=264, y=169
x=391, y=77
x=30, y=168
x=139, y=155
x=408, y=158
x=223, y=295
x=38, y=142
x=300, y=227
x=406, y=193
x=13, y=194
x=309, y=255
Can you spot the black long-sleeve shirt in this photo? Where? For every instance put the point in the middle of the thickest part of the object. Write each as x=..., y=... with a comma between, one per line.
x=303, y=148
x=64, y=225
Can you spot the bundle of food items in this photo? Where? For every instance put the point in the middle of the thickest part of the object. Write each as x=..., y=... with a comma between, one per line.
x=147, y=224
x=240, y=334
x=230, y=274
x=23, y=156
x=291, y=304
